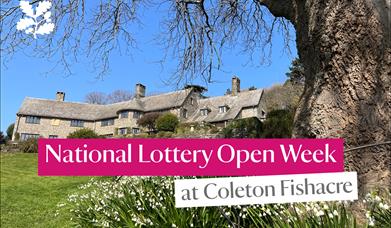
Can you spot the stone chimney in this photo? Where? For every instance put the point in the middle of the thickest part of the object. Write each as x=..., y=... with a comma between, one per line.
x=60, y=96
x=235, y=86
x=140, y=90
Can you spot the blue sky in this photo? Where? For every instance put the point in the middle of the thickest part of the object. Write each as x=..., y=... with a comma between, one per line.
x=26, y=76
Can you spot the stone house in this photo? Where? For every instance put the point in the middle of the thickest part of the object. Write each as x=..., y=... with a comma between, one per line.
x=57, y=118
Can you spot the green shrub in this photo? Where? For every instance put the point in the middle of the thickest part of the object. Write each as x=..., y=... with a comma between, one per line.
x=149, y=121
x=164, y=134
x=84, y=133
x=17, y=136
x=2, y=138
x=243, y=128
x=29, y=146
x=278, y=124
x=167, y=122
x=10, y=131
x=378, y=208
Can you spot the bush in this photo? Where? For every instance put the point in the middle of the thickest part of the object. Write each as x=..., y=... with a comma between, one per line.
x=2, y=138
x=10, y=131
x=29, y=146
x=278, y=124
x=243, y=128
x=84, y=133
x=164, y=134
x=167, y=122
x=149, y=121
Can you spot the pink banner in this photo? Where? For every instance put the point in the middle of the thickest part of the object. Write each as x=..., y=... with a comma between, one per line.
x=188, y=157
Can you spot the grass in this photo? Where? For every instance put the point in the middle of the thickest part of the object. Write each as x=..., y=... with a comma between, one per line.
x=28, y=200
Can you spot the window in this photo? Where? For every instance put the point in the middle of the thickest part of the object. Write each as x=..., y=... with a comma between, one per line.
x=223, y=109
x=53, y=136
x=77, y=123
x=184, y=113
x=55, y=122
x=204, y=112
x=25, y=136
x=124, y=114
x=191, y=101
x=33, y=119
x=136, y=115
x=122, y=131
x=107, y=122
x=135, y=130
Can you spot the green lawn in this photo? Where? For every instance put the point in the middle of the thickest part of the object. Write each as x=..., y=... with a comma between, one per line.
x=28, y=200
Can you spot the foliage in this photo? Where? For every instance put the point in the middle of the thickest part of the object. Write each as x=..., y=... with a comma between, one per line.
x=164, y=134
x=149, y=121
x=196, y=129
x=2, y=138
x=167, y=122
x=29, y=200
x=286, y=96
x=134, y=202
x=17, y=136
x=243, y=128
x=84, y=133
x=378, y=205
x=278, y=124
x=296, y=72
x=10, y=131
x=29, y=146
x=149, y=201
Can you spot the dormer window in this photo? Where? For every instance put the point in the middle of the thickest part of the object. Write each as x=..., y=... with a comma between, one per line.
x=223, y=109
x=123, y=114
x=204, y=112
x=136, y=115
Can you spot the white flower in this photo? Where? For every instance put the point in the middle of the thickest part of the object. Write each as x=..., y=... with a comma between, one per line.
x=319, y=213
x=24, y=23
x=383, y=206
x=335, y=213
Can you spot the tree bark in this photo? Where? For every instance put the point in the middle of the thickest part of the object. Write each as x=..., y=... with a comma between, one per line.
x=345, y=46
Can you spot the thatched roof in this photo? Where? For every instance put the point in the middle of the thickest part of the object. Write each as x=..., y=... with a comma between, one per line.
x=235, y=104
x=91, y=112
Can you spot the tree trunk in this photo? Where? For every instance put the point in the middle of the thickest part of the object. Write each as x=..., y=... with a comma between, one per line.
x=345, y=46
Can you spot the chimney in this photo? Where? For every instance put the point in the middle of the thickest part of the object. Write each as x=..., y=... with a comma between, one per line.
x=235, y=86
x=60, y=96
x=140, y=90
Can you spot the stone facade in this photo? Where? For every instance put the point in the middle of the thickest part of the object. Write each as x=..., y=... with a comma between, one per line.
x=58, y=118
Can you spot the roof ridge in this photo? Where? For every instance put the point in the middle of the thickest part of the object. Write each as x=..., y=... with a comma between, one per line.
x=168, y=93
x=72, y=102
